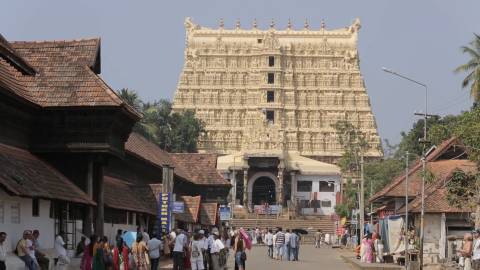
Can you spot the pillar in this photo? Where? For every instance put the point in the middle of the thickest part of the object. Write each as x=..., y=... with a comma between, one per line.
x=233, y=191
x=100, y=219
x=245, y=188
x=88, y=222
x=280, y=186
x=293, y=188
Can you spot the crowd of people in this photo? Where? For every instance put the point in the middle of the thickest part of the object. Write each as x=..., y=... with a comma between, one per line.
x=29, y=250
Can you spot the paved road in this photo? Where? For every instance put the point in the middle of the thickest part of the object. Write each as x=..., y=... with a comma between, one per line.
x=310, y=258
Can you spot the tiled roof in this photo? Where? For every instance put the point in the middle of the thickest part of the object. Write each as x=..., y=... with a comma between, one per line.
x=142, y=148
x=10, y=79
x=396, y=186
x=120, y=194
x=208, y=214
x=192, y=209
x=14, y=58
x=200, y=169
x=24, y=174
x=65, y=74
x=436, y=193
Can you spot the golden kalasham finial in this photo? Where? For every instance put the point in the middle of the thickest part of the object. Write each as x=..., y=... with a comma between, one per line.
x=322, y=24
x=255, y=23
x=306, y=25
x=289, y=24
x=237, y=24
x=272, y=23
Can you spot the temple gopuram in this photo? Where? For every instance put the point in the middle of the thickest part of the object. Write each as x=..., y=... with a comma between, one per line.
x=269, y=100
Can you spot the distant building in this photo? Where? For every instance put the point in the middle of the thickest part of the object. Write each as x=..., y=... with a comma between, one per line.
x=269, y=99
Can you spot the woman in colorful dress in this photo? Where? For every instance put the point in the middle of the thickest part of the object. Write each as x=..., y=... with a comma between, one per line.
x=140, y=253
x=120, y=256
x=98, y=263
x=86, y=263
x=367, y=249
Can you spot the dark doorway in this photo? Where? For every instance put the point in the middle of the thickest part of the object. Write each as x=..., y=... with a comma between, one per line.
x=263, y=191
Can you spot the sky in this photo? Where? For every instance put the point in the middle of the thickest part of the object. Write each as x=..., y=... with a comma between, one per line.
x=143, y=42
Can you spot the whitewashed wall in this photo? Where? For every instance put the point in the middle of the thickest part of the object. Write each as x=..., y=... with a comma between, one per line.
x=43, y=222
x=315, y=179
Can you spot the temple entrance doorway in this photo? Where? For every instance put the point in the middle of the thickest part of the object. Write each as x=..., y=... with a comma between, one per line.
x=263, y=191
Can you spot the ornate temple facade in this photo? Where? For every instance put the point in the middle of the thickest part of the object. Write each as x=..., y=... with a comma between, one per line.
x=274, y=94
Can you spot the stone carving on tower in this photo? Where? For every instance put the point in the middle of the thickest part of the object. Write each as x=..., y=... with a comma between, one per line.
x=274, y=90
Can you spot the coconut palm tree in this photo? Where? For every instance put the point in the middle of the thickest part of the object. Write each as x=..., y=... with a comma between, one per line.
x=131, y=98
x=472, y=67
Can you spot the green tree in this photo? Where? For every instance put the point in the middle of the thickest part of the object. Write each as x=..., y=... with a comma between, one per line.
x=472, y=68
x=174, y=132
x=463, y=191
x=379, y=173
x=131, y=98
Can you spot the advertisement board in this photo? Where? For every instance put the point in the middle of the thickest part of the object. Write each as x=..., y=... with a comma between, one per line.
x=225, y=213
x=164, y=213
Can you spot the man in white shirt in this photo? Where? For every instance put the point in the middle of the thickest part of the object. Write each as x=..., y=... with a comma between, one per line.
x=476, y=250
x=179, y=250
x=287, y=245
x=60, y=250
x=269, y=243
x=154, y=247
x=3, y=250
x=215, y=249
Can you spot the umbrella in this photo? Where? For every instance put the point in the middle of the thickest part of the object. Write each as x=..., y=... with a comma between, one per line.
x=300, y=231
x=129, y=238
x=246, y=239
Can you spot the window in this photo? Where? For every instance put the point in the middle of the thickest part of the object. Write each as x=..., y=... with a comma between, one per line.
x=35, y=207
x=271, y=78
x=304, y=186
x=271, y=61
x=326, y=204
x=259, y=41
x=327, y=186
x=15, y=213
x=270, y=96
x=270, y=115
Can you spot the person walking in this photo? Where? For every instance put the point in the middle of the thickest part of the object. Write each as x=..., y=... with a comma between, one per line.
x=269, y=243
x=318, y=238
x=86, y=262
x=216, y=248
x=294, y=246
x=140, y=253
x=287, y=250
x=41, y=257
x=367, y=249
x=3, y=250
x=61, y=251
x=196, y=254
x=154, y=247
x=239, y=252
x=275, y=253
x=280, y=244
x=378, y=244
x=179, y=250
x=120, y=255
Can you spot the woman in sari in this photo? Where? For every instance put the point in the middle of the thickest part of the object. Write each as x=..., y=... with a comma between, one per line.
x=120, y=256
x=86, y=263
x=98, y=263
x=140, y=253
x=367, y=249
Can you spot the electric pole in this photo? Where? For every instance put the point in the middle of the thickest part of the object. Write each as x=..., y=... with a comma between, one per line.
x=362, y=199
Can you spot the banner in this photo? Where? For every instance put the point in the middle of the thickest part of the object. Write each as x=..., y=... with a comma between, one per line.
x=178, y=207
x=225, y=213
x=267, y=209
x=164, y=213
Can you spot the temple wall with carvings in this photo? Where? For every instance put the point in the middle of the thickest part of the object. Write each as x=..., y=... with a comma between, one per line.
x=315, y=80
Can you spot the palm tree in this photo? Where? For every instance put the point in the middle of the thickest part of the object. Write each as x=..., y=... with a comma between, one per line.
x=472, y=67
x=131, y=98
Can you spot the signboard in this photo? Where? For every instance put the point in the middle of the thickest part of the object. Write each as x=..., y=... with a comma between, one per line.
x=164, y=213
x=225, y=213
x=178, y=207
x=267, y=209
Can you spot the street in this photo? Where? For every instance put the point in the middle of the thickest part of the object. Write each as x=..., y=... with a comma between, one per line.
x=310, y=258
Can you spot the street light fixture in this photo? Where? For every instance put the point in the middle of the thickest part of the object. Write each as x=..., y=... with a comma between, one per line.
x=424, y=158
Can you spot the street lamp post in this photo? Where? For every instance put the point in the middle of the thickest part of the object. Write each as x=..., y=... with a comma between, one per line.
x=424, y=158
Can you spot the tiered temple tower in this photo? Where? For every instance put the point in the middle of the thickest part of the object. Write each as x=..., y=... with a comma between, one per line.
x=275, y=90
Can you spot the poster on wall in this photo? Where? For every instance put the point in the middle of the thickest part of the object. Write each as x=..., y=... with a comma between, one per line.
x=225, y=213
x=178, y=207
x=164, y=213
